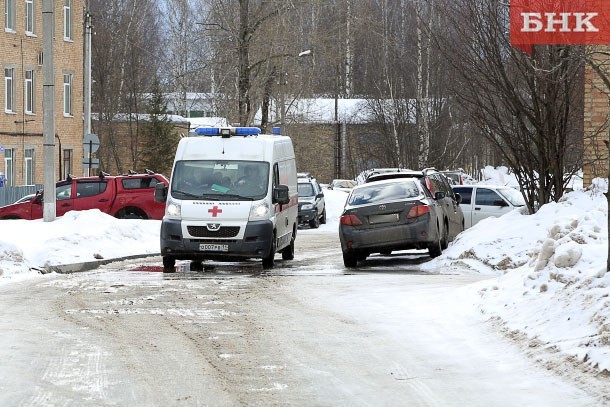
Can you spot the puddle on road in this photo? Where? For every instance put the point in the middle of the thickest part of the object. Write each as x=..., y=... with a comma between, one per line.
x=185, y=270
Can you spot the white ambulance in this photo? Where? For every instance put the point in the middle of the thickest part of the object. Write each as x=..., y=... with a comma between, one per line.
x=232, y=196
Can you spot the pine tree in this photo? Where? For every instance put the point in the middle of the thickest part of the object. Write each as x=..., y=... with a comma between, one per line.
x=160, y=138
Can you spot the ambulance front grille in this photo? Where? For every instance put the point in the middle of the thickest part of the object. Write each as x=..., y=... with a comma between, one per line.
x=222, y=232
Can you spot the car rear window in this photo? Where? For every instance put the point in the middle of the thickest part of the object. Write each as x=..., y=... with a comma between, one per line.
x=90, y=188
x=139, y=183
x=376, y=193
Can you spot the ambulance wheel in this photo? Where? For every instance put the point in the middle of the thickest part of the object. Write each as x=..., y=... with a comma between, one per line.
x=269, y=261
x=169, y=264
x=288, y=252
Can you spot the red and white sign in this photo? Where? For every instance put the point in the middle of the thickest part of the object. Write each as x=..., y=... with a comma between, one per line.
x=534, y=22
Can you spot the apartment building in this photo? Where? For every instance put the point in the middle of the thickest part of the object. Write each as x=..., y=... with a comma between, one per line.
x=21, y=91
x=596, y=118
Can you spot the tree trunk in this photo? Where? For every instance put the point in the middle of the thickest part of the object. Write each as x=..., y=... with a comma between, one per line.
x=244, y=62
x=421, y=104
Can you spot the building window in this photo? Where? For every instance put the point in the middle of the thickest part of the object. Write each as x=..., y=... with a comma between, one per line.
x=67, y=163
x=9, y=90
x=9, y=15
x=29, y=17
x=29, y=166
x=68, y=94
x=29, y=91
x=67, y=19
x=9, y=169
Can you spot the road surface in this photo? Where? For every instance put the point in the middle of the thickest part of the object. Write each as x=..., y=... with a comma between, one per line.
x=307, y=333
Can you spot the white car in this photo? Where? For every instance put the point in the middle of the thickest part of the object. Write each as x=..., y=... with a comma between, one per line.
x=26, y=198
x=482, y=201
x=342, y=185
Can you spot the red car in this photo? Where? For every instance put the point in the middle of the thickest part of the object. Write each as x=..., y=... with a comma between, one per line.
x=122, y=196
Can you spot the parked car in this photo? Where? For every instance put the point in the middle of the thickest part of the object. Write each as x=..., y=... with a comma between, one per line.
x=312, y=206
x=439, y=187
x=388, y=215
x=342, y=185
x=482, y=201
x=457, y=177
x=122, y=196
x=304, y=175
x=26, y=198
x=362, y=177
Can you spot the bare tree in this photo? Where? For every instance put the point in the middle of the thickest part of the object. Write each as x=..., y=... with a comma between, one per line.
x=522, y=104
x=187, y=54
x=243, y=42
x=125, y=58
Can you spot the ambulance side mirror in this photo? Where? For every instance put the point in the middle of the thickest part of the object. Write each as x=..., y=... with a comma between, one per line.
x=281, y=194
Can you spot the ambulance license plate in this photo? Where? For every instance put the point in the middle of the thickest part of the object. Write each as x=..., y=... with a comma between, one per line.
x=214, y=247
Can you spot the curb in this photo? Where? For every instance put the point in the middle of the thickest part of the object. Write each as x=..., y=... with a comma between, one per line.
x=91, y=265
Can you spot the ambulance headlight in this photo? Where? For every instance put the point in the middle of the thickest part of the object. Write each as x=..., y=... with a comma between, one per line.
x=173, y=209
x=260, y=211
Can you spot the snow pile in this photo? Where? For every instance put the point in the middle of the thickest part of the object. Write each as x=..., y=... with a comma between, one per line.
x=498, y=176
x=76, y=237
x=553, y=284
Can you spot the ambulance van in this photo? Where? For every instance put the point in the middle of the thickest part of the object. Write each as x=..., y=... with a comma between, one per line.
x=232, y=196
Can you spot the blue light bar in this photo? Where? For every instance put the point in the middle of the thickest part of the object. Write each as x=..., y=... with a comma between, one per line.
x=226, y=132
x=208, y=131
x=247, y=131
x=277, y=131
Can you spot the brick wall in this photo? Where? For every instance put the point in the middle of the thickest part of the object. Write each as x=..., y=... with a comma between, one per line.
x=122, y=143
x=20, y=131
x=596, y=124
x=326, y=156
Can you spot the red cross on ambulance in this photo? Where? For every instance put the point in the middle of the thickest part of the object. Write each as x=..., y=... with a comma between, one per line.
x=215, y=211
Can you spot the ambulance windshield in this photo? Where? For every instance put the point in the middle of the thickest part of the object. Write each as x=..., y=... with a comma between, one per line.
x=220, y=180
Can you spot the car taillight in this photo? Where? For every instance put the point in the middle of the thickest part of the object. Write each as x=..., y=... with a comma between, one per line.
x=417, y=211
x=350, y=220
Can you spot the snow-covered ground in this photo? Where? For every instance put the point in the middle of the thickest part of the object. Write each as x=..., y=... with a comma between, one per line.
x=548, y=270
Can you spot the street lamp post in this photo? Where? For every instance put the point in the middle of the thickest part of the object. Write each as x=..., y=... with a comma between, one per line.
x=48, y=140
x=282, y=83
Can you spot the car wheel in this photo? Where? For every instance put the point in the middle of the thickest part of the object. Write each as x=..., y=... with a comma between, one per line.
x=323, y=218
x=169, y=264
x=269, y=261
x=435, y=248
x=288, y=252
x=131, y=213
x=349, y=259
x=196, y=266
x=445, y=239
x=314, y=223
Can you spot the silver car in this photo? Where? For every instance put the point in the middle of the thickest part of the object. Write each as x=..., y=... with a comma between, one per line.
x=384, y=216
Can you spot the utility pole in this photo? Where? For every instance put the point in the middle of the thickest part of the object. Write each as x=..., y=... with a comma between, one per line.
x=87, y=90
x=48, y=96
